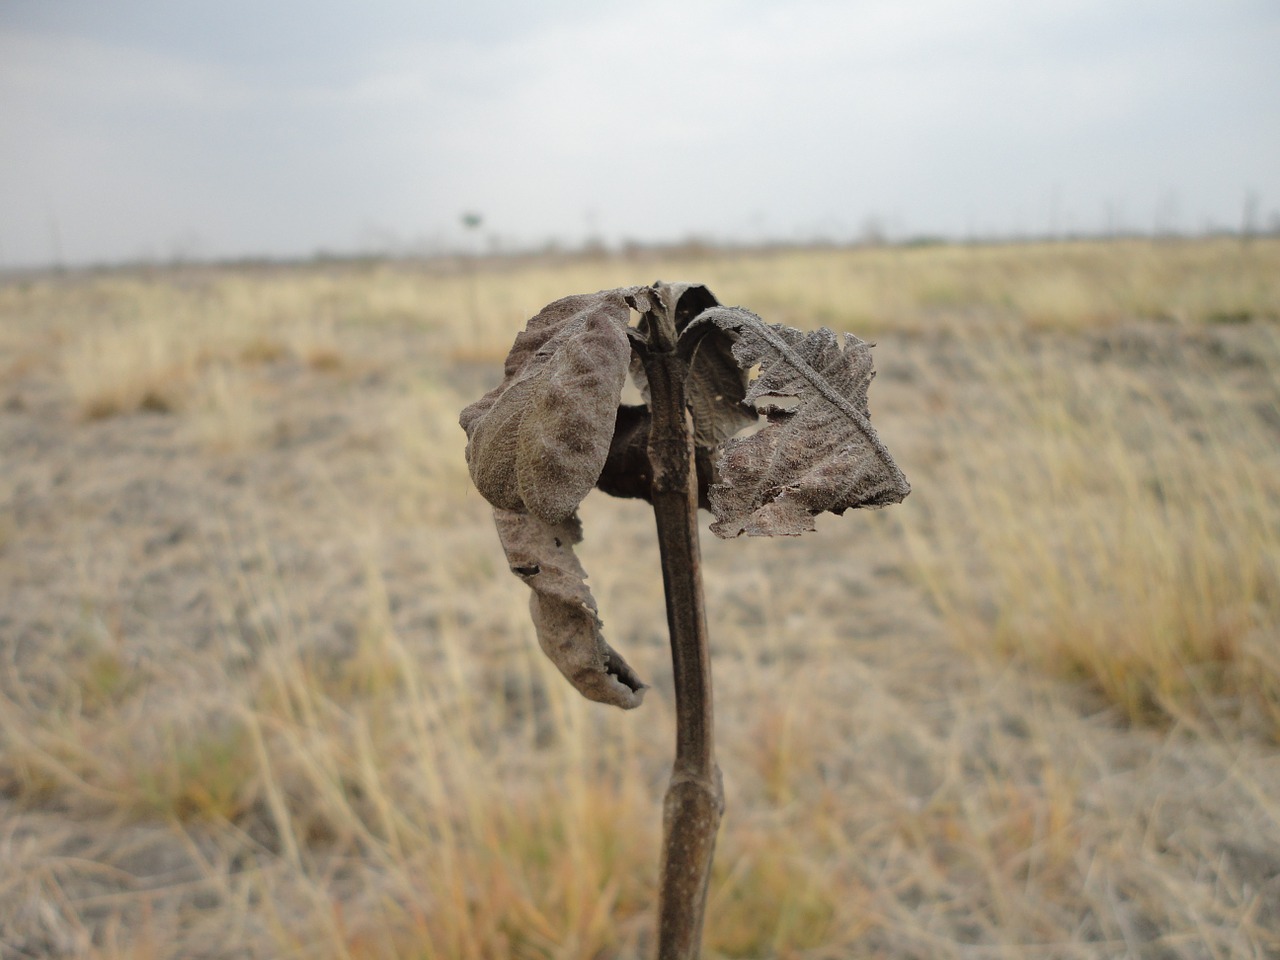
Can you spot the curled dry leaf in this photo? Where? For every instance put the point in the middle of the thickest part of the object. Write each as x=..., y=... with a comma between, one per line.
x=716, y=391
x=536, y=445
x=820, y=455
x=539, y=440
x=553, y=429
x=564, y=612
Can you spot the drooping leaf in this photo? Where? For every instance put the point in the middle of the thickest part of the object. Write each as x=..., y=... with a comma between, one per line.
x=536, y=445
x=539, y=440
x=564, y=612
x=820, y=454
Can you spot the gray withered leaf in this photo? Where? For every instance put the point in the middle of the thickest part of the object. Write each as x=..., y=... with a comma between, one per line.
x=539, y=440
x=821, y=454
x=716, y=391
x=564, y=612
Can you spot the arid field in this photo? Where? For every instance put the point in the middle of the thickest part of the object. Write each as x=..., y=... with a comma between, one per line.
x=267, y=688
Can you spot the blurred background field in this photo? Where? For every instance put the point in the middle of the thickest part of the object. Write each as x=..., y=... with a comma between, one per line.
x=267, y=688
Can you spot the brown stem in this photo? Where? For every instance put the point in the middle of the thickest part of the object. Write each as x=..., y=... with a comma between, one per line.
x=695, y=797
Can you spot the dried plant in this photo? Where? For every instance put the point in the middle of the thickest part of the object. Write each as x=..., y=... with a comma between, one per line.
x=555, y=428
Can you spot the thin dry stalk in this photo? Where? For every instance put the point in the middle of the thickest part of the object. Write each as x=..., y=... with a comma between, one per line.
x=695, y=795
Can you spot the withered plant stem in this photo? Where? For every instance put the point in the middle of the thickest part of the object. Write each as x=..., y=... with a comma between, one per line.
x=695, y=797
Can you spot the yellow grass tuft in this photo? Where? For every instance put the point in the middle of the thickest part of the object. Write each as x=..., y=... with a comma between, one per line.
x=263, y=348
x=768, y=901
x=129, y=368
x=1116, y=527
x=224, y=409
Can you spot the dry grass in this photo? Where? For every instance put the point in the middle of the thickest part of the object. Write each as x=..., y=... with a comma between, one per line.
x=267, y=689
x=1117, y=521
x=126, y=369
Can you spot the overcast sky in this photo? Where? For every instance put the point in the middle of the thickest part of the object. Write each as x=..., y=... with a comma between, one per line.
x=174, y=128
